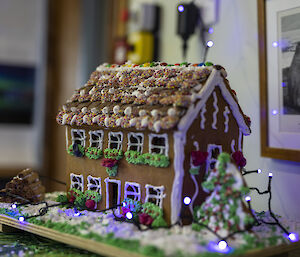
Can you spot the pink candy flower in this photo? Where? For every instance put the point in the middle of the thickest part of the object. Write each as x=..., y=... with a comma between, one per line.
x=198, y=157
x=239, y=159
x=108, y=163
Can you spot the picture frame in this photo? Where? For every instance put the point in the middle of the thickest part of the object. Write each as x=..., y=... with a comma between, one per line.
x=279, y=48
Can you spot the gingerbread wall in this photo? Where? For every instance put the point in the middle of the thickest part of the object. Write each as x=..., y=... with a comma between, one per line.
x=206, y=136
x=142, y=174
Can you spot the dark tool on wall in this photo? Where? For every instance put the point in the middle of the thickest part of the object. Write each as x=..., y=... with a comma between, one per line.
x=188, y=16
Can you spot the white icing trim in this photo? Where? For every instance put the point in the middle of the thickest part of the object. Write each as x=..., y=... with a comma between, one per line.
x=67, y=139
x=196, y=144
x=176, y=196
x=99, y=141
x=81, y=138
x=232, y=145
x=107, y=181
x=225, y=113
x=119, y=141
x=193, y=177
x=215, y=119
x=215, y=79
x=191, y=206
x=139, y=143
x=64, y=119
x=96, y=186
x=210, y=159
x=136, y=190
x=240, y=139
x=203, y=111
x=158, y=197
x=163, y=149
x=80, y=185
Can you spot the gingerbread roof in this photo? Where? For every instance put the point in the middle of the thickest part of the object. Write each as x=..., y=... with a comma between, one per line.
x=150, y=96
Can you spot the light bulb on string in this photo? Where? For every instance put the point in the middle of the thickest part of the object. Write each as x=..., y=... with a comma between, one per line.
x=209, y=43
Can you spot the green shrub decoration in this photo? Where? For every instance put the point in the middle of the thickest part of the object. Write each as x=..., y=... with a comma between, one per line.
x=134, y=157
x=156, y=213
x=82, y=197
x=62, y=198
x=80, y=148
x=113, y=171
x=156, y=160
x=93, y=195
x=93, y=153
x=114, y=154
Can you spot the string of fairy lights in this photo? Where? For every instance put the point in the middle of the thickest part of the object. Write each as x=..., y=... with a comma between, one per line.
x=221, y=245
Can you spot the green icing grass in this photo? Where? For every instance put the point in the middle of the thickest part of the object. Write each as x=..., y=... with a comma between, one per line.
x=252, y=242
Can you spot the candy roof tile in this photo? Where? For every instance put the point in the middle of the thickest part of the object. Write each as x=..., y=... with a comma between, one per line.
x=144, y=97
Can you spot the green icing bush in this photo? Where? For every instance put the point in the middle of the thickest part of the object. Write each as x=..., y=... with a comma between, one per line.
x=62, y=199
x=156, y=160
x=93, y=153
x=92, y=195
x=80, y=148
x=114, y=154
x=156, y=213
x=134, y=157
x=113, y=171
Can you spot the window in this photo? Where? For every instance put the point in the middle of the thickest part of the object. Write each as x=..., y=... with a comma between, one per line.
x=132, y=191
x=115, y=140
x=155, y=194
x=135, y=141
x=94, y=184
x=76, y=182
x=213, y=153
x=158, y=144
x=96, y=138
x=78, y=136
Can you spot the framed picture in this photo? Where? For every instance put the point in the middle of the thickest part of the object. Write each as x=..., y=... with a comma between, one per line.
x=279, y=67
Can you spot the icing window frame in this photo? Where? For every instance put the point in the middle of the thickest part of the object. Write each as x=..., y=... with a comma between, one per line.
x=210, y=158
x=119, y=140
x=158, y=198
x=77, y=182
x=99, y=141
x=136, y=193
x=96, y=185
x=139, y=144
x=81, y=136
x=163, y=149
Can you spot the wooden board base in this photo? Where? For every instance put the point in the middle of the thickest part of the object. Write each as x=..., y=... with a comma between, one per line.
x=75, y=241
x=8, y=224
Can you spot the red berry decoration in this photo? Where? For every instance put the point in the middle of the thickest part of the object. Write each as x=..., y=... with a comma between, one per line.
x=198, y=157
x=239, y=159
x=145, y=219
x=72, y=199
x=90, y=204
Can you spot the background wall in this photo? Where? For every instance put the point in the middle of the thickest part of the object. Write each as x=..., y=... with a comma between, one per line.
x=236, y=48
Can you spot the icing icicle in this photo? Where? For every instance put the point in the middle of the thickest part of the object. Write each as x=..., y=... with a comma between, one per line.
x=203, y=111
x=240, y=139
x=232, y=145
x=214, y=124
x=225, y=113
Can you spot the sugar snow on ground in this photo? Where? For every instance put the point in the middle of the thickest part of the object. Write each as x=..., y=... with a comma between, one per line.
x=176, y=239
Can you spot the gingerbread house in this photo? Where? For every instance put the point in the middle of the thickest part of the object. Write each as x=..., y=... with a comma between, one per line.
x=150, y=132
